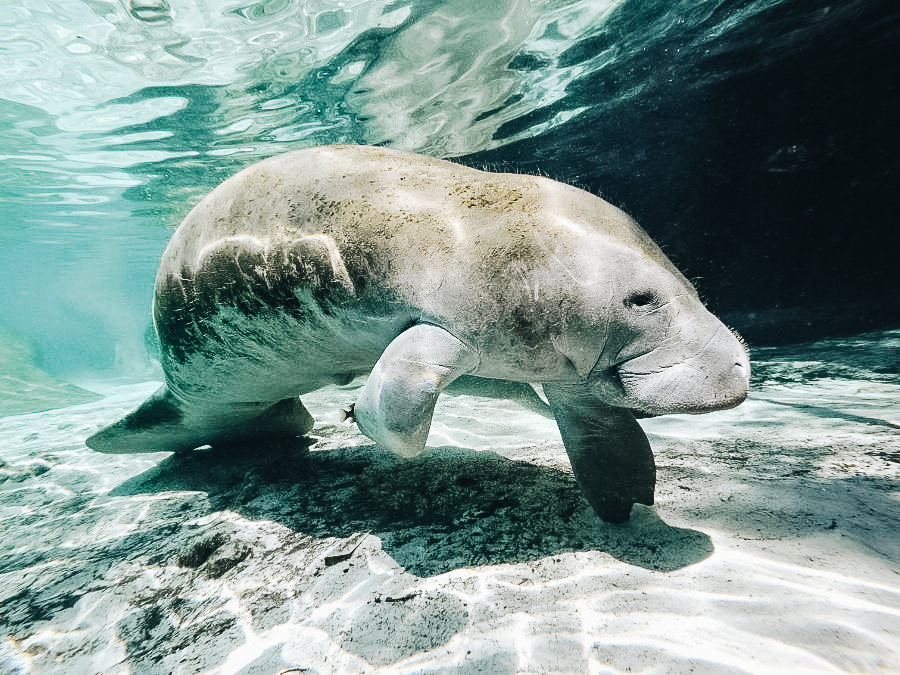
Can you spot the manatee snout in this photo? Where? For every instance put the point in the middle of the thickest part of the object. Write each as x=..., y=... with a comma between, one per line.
x=725, y=365
x=710, y=374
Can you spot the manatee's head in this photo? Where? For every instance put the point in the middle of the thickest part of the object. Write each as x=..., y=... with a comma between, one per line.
x=660, y=350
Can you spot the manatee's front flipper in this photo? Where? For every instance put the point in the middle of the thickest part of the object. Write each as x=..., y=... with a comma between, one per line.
x=160, y=425
x=395, y=407
x=610, y=453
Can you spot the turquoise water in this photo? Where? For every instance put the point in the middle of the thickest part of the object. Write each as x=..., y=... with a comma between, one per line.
x=115, y=118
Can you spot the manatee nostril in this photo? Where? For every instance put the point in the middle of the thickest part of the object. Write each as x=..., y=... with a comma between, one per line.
x=741, y=374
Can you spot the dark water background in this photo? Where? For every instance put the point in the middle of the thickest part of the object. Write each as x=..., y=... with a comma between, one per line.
x=755, y=140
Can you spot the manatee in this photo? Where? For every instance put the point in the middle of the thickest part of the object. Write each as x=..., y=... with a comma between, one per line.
x=316, y=266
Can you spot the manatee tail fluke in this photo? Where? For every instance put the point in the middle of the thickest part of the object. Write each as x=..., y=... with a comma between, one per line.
x=156, y=426
x=159, y=425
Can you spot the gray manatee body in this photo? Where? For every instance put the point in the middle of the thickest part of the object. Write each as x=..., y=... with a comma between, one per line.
x=319, y=265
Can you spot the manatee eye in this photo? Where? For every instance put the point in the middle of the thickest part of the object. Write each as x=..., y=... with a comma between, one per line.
x=640, y=299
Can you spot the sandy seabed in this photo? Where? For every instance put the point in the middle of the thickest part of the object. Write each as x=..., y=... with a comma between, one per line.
x=774, y=546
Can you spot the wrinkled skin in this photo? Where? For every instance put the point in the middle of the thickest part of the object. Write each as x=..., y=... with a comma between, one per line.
x=316, y=266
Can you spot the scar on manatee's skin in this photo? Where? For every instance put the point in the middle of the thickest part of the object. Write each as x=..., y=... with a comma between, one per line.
x=316, y=266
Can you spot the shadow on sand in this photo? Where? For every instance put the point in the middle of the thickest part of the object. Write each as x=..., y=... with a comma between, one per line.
x=448, y=508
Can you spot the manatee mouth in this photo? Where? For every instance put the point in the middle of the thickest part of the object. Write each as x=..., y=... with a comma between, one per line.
x=608, y=385
x=625, y=383
x=615, y=379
